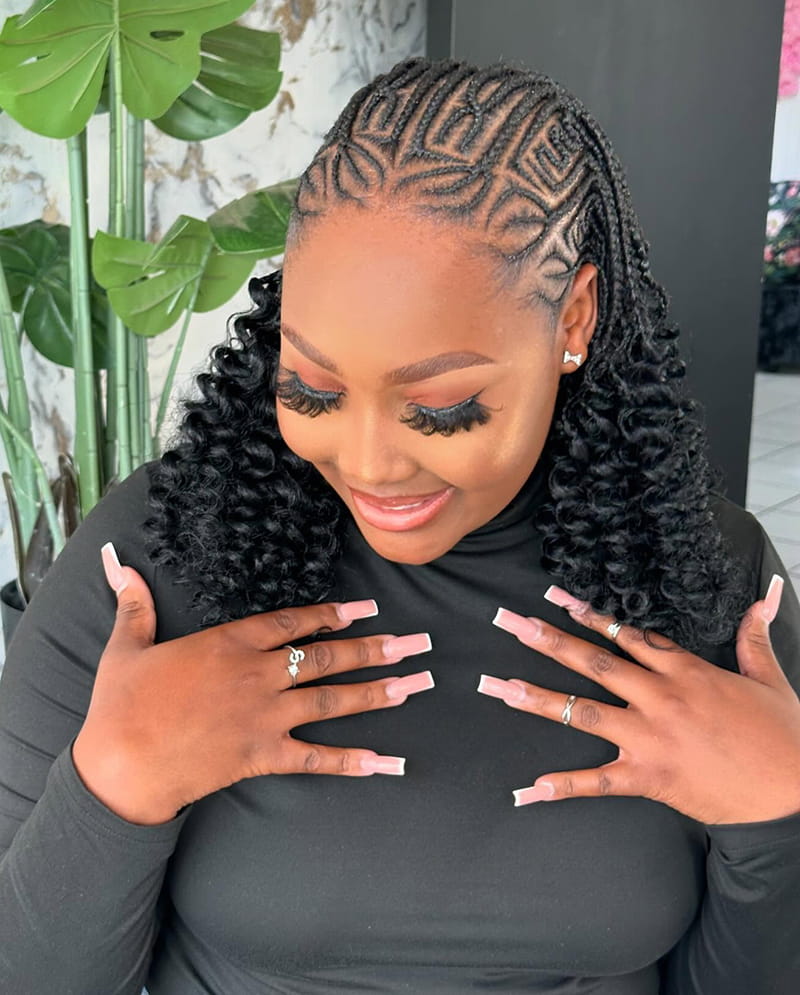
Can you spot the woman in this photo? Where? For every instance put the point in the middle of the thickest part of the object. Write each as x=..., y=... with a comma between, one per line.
x=461, y=390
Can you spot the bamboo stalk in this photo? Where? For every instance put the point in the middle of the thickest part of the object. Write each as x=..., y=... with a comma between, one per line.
x=10, y=344
x=118, y=374
x=87, y=454
x=19, y=412
x=45, y=493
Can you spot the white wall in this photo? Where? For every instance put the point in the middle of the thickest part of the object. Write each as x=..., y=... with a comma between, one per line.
x=786, y=141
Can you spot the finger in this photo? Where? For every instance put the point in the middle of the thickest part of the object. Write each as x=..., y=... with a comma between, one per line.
x=336, y=656
x=655, y=651
x=621, y=677
x=607, y=721
x=330, y=701
x=754, y=652
x=135, y=624
x=309, y=758
x=285, y=625
x=609, y=779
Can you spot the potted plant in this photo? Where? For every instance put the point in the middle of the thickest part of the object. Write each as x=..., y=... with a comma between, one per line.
x=92, y=302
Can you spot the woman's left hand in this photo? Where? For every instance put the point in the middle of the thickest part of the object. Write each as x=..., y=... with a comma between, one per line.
x=720, y=747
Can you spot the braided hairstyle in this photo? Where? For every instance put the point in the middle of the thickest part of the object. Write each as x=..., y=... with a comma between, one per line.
x=511, y=154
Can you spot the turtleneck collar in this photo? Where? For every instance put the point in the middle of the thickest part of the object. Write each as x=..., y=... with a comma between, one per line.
x=514, y=524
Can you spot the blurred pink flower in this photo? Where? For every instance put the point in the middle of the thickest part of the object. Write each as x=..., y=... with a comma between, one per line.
x=768, y=254
x=790, y=50
x=792, y=256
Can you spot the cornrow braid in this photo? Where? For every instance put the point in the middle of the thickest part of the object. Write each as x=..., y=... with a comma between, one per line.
x=511, y=154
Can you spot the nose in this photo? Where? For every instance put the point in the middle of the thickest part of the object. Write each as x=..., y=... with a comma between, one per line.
x=370, y=454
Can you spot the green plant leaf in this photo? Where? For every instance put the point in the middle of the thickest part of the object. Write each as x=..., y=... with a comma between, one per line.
x=256, y=222
x=52, y=64
x=238, y=74
x=35, y=258
x=150, y=286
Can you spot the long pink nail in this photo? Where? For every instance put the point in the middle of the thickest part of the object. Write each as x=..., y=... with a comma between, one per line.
x=402, y=687
x=384, y=765
x=349, y=611
x=113, y=568
x=497, y=688
x=558, y=596
x=538, y=793
x=773, y=598
x=517, y=625
x=397, y=647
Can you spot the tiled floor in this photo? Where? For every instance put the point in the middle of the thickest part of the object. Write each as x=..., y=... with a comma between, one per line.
x=773, y=488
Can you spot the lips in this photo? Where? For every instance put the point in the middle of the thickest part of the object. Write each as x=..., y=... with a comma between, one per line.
x=403, y=512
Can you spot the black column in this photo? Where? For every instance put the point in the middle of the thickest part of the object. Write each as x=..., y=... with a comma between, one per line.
x=686, y=90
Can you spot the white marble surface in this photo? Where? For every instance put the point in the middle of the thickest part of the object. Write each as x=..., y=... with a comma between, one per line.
x=330, y=48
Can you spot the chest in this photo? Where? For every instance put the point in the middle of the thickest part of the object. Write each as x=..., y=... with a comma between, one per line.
x=438, y=867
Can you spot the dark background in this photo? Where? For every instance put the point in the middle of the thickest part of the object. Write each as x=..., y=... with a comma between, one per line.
x=686, y=90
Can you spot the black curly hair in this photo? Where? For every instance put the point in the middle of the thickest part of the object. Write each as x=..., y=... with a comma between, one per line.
x=629, y=524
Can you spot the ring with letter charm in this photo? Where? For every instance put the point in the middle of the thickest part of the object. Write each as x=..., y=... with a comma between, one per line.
x=295, y=657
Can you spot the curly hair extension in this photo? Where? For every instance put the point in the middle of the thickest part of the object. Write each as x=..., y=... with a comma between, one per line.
x=246, y=522
x=514, y=156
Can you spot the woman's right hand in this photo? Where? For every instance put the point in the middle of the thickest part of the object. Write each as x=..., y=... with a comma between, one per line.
x=170, y=723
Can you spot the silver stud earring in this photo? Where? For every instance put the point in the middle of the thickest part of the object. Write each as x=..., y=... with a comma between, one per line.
x=577, y=359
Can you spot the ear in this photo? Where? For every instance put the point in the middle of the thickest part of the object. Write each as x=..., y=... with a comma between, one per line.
x=578, y=318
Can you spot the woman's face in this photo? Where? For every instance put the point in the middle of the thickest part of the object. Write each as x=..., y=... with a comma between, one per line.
x=433, y=389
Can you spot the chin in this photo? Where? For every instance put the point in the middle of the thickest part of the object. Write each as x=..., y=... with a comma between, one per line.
x=403, y=548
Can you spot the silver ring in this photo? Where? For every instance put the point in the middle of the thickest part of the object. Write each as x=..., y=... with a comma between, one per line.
x=566, y=715
x=295, y=657
x=613, y=629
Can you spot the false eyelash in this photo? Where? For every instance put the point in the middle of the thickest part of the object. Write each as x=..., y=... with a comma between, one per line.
x=459, y=417
x=298, y=396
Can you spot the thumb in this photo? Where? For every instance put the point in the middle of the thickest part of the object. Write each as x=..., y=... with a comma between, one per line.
x=753, y=646
x=135, y=625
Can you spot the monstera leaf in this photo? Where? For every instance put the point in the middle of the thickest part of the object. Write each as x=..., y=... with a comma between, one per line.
x=53, y=59
x=150, y=286
x=238, y=75
x=256, y=222
x=35, y=259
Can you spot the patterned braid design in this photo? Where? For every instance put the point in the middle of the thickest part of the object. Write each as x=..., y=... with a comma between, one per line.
x=517, y=159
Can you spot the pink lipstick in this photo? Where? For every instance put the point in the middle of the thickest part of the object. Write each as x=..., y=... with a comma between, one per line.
x=401, y=513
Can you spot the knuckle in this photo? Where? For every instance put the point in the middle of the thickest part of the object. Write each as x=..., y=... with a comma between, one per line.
x=602, y=662
x=568, y=786
x=321, y=656
x=312, y=761
x=285, y=621
x=325, y=701
x=589, y=715
x=345, y=762
x=558, y=641
x=604, y=783
x=363, y=652
x=369, y=696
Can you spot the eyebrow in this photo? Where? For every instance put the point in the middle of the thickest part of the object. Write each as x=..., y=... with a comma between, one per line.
x=434, y=366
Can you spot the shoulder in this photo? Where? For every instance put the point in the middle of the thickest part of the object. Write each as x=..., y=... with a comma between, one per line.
x=752, y=546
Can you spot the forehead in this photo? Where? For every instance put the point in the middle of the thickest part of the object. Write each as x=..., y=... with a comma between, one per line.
x=390, y=271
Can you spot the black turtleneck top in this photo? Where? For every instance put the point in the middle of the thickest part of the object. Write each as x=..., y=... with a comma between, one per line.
x=428, y=883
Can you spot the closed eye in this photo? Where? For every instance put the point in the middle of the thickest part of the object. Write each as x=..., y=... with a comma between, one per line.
x=296, y=395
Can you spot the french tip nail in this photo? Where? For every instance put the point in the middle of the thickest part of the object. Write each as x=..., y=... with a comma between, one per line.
x=537, y=793
x=395, y=766
x=113, y=568
x=772, y=599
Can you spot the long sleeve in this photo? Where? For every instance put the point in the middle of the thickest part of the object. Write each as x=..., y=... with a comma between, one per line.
x=79, y=886
x=746, y=938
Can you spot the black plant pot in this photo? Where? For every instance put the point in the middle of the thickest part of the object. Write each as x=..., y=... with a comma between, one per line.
x=11, y=609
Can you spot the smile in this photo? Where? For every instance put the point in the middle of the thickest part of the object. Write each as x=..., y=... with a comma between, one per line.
x=399, y=514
